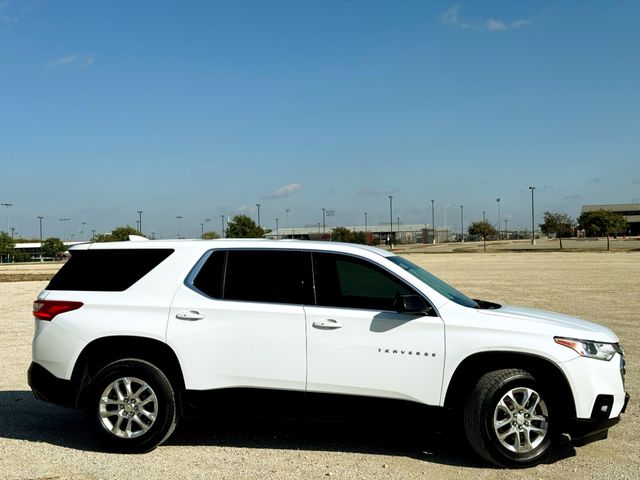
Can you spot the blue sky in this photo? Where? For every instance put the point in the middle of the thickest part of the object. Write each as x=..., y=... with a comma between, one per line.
x=202, y=109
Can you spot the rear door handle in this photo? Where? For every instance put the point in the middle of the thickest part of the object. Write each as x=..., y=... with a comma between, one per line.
x=328, y=324
x=190, y=315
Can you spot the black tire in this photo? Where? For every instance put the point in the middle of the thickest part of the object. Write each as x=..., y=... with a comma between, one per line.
x=500, y=434
x=134, y=418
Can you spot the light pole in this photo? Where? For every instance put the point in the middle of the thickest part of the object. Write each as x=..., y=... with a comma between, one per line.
x=391, y=221
x=140, y=222
x=287, y=212
x=398, y=219
x=323, y=222
x=498, y=202
x=258, y=205
x=222, y=224
x=93, y=235
x=444, y=209
x=40, y=220
x=365, y=222
x=202, y=231
x=13, y=229
x=8, y=205
x=64, y=227
x=506, y=236
x=433, y=221
x=277, y=230
x=461, y=225
x=533, y=236
x=484, y=217
x=179, y=219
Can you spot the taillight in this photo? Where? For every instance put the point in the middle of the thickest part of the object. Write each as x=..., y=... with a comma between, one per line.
x=47, y=309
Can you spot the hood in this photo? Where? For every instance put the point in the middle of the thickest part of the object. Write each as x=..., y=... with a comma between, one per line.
x=553, y=323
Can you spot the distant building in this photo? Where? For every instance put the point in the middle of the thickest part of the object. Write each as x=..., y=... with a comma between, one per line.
x=405, y=233
x=630, y=211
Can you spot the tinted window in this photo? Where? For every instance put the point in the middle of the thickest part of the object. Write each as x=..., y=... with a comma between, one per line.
x=344, y=281
x=268, y=276
x=434, y=282
x=209, y=278
x=106, y=270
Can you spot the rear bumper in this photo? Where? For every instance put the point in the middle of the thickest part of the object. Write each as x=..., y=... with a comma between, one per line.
x=48, y=387
x=584, y=431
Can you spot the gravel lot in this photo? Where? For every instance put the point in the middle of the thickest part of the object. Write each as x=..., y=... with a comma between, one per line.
x=40, y=441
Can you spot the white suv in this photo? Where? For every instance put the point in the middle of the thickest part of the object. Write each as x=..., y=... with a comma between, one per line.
x=141, y=333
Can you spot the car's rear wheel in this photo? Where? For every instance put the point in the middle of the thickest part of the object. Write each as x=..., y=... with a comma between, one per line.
x=131, y=406
x=507, y=419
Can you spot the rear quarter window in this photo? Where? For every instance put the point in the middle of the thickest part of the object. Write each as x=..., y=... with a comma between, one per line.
x=106, y=270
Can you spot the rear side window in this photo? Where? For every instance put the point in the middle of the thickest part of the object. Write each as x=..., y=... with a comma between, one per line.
x=210, y=276
x=345, y=281
x=268, y=276
x=106, y=270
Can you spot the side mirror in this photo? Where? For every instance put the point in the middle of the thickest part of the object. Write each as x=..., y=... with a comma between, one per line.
x=411, y=304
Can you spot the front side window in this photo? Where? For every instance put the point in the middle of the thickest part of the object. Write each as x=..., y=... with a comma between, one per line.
x=434, y=282
x=345, y=281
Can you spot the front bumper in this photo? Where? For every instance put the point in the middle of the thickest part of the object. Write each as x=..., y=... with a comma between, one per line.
x=584, y=431
x=48, y=387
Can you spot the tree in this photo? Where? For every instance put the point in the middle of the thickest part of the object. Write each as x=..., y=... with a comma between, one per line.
x=482, y=229
x=53, y=247
x=602, y=222
x=7, y=244
x=118, y=234
x=360, y=237
x=121, y=234
x=342, y=234
x=242, y=226
x=559, y=223
x=103, y=237
x=210, y=235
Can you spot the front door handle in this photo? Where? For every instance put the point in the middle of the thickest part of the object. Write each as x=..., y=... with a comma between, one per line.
x=328, y=324
x=190, y=315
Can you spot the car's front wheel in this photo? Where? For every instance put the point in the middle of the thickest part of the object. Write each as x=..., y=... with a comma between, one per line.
x=131, y=406
x=507, y=419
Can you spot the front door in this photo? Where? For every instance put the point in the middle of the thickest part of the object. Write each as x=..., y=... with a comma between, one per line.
x=358, y=344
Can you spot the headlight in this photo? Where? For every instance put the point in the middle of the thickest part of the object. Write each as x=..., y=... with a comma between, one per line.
x=590, y=349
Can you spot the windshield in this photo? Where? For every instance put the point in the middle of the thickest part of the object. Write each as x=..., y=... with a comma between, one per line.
x=434, y=282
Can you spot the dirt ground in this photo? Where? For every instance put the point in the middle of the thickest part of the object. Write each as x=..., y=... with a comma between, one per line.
x=40, y=441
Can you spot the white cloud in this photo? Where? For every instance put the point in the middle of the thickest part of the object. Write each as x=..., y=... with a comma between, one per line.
x=493, y=25
x=285, y=191
x=520, y=23
x=452, y=18
x=72, y=59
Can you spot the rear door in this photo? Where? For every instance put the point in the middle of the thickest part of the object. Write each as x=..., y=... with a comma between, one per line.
x=358, y=344
x=238, y=320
